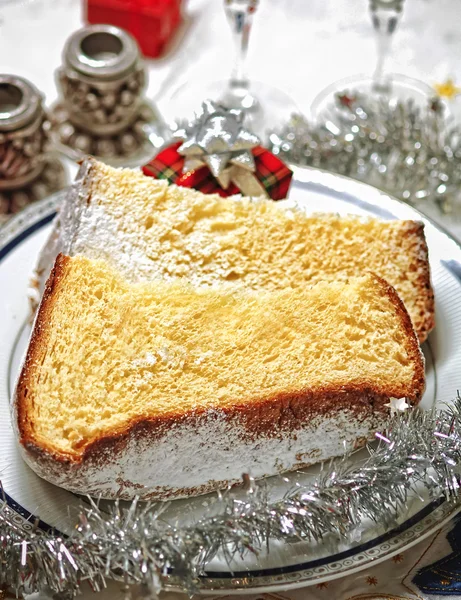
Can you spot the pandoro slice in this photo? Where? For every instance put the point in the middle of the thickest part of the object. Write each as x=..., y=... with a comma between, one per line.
x=150, y=230
x=164, y=390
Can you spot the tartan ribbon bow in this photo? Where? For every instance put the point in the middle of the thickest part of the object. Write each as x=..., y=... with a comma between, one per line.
x=272, y=173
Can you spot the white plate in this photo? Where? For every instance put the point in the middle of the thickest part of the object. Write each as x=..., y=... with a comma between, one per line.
x=290, y=565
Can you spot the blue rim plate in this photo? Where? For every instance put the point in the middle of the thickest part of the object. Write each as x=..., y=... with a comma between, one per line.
x=286, y=566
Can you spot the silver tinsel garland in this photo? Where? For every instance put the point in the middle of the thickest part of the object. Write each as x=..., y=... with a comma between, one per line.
x=410, y=152
x=138, y=546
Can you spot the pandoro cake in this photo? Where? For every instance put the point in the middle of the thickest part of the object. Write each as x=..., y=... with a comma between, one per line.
x=163, y=389
x=149, y=230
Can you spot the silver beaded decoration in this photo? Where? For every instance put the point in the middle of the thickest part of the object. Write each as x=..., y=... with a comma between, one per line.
x=28, y=171
x=102, y=110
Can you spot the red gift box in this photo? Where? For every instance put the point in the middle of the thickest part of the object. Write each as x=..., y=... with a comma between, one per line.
x=272, y=173
x=151, y=22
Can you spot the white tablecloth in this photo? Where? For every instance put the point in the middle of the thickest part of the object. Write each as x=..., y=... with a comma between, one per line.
x=299, y=45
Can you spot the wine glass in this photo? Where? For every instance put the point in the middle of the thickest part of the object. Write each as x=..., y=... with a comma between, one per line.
x=265, y=106
x=385, y=17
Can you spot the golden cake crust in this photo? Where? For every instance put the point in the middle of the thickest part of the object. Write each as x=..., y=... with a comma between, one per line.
x=415, y=243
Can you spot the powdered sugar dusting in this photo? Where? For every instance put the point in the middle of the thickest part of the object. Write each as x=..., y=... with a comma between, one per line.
x=191, y=458
x=148, y=360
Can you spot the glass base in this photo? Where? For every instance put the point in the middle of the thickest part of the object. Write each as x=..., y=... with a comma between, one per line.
x=393, y=89
x=266, y=108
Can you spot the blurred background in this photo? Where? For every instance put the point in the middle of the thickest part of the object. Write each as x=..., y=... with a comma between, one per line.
x=299, y=46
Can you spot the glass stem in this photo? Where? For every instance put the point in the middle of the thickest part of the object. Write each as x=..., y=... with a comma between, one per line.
x=385, y=16
x=240, y=16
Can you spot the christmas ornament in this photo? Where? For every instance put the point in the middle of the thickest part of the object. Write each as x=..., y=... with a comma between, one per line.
x=218, y=140
x=219, y=155
x=411, y=153
x=137, y=544
x=102, y=111
x=447, y=89
x=28, y=171
x=397, y=405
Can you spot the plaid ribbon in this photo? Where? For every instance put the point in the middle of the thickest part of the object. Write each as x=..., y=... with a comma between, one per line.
x=272, y=173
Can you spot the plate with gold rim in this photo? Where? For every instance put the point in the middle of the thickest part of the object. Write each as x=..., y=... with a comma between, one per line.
x=286, y=565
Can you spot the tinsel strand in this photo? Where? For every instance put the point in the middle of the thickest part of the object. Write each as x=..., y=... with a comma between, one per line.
x=410, y=152
x=138, y=546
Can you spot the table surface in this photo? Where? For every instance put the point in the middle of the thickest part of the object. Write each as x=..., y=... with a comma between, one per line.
x=300, y=46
